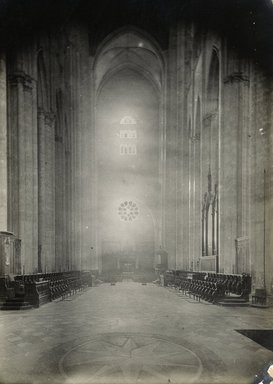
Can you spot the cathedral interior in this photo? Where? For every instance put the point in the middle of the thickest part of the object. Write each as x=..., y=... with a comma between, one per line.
x=136, y=191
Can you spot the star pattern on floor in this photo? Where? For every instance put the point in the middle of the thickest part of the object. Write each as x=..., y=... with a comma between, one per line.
x=130, y=358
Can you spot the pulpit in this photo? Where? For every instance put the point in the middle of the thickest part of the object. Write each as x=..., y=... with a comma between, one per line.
x=10, y=254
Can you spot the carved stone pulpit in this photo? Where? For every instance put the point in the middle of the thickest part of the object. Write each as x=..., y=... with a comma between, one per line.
x=10, y=254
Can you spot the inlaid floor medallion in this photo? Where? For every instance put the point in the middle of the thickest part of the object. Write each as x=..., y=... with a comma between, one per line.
x=130, y=358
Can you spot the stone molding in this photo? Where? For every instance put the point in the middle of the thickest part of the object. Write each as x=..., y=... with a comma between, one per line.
x=21, y=77
x=242, y=254
x=59, y=139
x=49, y=117
x=236, y=77
x=210, y=115
x=195, y=138
x=241, y=242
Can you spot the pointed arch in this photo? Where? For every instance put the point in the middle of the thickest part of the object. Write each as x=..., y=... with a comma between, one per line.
x=132, y=67
x=210, y=158
x=153, y=45
x=213, y=86
x=132, y=48
x=42, y=84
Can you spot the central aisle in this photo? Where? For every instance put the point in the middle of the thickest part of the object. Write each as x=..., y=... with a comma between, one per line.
x=131, y=333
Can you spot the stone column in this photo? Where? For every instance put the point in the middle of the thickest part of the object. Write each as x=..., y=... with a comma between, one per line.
x=186, y=113
x=162, y=165
x=197, y=204
x=259, y=156
x=23, y=217
x=87, y=150
x=96, y=256
x=46, y=196
x=233, y=160
x=3, y=147
x=243, y=194
x=191, y=151
x=242, y=255
x=268, y=197
x=171, y=155
x=92, y=182
x=60, y=202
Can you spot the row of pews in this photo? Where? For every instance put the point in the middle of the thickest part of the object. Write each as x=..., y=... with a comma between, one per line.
x=24, y=291
x=211, y=287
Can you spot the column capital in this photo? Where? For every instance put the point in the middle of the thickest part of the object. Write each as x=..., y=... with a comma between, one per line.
x=210, y=115
x=241, y=242
x=236, y=77
x=49, y=117
x=21, y=77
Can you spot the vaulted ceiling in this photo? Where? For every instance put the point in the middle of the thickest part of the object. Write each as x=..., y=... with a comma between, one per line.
x=129, y=48
x=247, y=23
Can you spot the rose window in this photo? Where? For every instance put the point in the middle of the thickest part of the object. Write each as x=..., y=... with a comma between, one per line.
x=128, y=211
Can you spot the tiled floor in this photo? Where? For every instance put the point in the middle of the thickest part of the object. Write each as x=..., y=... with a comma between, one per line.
x=131, y=333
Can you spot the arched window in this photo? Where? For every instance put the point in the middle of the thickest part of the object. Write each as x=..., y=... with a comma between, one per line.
x=127, y=134
x=213, y=83
x=42, y=86
x=128, y=149
x=210, y=154
x=127, y=120
x=210, y=220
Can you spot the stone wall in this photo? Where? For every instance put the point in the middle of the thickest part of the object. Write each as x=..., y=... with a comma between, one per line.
x=214, y=160
x=49, y=122
x=3, y=145
x=222, y=140
x=23, y=152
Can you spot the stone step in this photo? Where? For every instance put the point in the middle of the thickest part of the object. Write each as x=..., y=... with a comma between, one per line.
x=15, y=307
x=259, y=305
x=234, y=303
x=15, y=300
x=15, y=303
x=234, y=298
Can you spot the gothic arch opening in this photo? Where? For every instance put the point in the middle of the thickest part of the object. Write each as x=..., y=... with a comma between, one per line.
x=128, y=133
x=210, y=163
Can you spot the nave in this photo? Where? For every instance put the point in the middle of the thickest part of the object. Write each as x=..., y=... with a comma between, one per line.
x=131, y=333
x=136, y=140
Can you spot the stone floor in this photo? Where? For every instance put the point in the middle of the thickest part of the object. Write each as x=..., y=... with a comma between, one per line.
x=131, y=333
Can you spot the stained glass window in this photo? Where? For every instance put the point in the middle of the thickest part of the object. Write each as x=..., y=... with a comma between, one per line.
x=127, y=134
x=128, y=211
x=128, y=149
x=127, y=120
